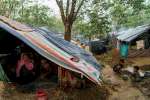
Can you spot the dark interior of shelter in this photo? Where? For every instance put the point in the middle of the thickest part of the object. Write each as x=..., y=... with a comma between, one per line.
x=15, y=56
x=145, y=37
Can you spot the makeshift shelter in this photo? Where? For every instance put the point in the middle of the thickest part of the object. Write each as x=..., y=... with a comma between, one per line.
x=46, y=44
x=133, y=33
x=139, y=35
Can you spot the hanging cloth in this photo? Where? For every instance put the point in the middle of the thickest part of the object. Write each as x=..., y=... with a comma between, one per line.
x=3, y=76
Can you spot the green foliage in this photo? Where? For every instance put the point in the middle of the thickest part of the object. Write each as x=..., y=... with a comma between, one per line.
x=96, y=17
x=30, y=12
x=118, y=14
x=137, y=5
x=129, y=13
x=36, y=16
x=100, y=16
x=96, y=22
x=9, y=7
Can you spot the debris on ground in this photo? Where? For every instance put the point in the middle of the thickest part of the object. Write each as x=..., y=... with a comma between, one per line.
x=139, y=53
x=55, y=93
x=120, y=89
x=144, y=87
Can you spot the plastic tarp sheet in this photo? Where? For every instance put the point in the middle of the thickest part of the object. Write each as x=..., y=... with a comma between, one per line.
x=55, y=49
x=69, y=47
x=133, y=33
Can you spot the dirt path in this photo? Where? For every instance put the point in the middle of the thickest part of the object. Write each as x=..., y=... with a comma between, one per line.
x=120, y=89
x=140, y=61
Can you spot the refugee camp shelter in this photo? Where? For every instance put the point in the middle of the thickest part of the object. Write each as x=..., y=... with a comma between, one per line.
x=46, y=44
x=135, y=34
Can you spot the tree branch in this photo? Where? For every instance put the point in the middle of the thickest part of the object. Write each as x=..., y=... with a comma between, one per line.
x=73, y=6
x=78, y=9
x=67, y=8
x=61, y=8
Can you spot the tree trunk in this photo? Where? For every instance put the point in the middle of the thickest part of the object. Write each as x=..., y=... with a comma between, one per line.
x=67, y=35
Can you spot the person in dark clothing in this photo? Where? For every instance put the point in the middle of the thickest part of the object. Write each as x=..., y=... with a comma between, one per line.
x=45, y=69
x=136, y=74
x=25, y=69
x=118, y=67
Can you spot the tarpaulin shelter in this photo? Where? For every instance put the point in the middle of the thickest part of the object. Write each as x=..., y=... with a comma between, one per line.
x=133, y=33
x=54, y=49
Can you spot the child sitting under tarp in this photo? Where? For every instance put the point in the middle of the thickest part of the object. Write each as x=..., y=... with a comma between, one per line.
x=45, y=69
x=25, y=69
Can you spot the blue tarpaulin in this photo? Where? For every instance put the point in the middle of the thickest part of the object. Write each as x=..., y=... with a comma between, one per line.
x=133, y=33
x=55, y=49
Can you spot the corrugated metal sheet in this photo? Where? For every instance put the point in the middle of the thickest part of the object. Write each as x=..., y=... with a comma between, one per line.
x=55, y=49
x=133, y=33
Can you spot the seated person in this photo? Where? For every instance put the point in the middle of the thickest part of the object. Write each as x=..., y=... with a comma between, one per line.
x=46, y=69
x=82, y=45
x=25, y=69
x=76, y=80
x=136, y=74
x=118, y=68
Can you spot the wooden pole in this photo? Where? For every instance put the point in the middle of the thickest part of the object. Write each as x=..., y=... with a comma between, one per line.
x=59, y=76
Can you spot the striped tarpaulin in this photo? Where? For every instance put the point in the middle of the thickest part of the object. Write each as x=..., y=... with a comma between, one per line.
x=54, y=49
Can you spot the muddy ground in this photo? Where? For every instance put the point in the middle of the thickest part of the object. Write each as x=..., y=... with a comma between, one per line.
x=55, y=93
x=113, y=88
x=121, y=89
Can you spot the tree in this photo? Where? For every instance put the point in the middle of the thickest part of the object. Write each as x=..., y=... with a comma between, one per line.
x=69, y=10
x=96, y=22
x=98, y=18
x=8, y=8
x=35, y=16
x=30, y=12
x=119, y=13
x=127, y=13
x=137, y=5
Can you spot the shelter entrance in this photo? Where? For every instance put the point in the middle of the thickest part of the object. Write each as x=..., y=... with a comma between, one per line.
x=21, y=64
